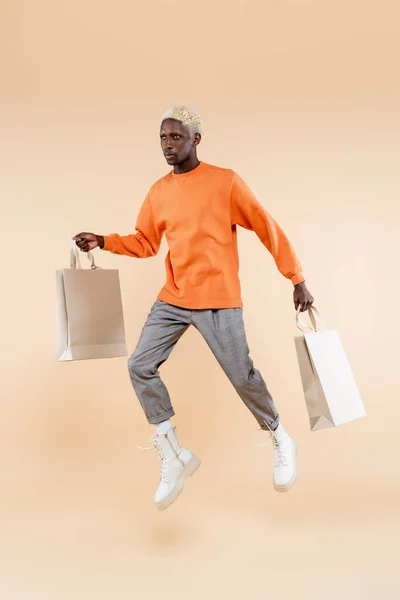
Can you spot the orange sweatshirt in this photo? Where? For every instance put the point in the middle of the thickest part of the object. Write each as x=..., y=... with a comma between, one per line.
x=198, y=212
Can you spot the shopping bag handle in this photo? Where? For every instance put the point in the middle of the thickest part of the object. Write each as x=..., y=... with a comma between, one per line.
x=75, y=260
x=315, y=318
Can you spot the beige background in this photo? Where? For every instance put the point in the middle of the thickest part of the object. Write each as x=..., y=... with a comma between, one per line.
x=302, y=99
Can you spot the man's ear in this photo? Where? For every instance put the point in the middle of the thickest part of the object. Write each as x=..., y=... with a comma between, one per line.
x=197, y=139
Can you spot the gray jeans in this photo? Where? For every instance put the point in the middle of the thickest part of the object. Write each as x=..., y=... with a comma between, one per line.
x=223, y=330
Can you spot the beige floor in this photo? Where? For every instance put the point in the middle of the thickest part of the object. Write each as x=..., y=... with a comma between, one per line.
x=88, y=530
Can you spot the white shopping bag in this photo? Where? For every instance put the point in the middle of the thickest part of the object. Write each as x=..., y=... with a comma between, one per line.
x=90, y=322
x=330, y=391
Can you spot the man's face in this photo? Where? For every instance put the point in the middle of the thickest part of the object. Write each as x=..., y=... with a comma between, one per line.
x=177, y=143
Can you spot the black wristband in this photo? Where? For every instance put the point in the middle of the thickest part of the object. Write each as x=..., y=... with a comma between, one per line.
x=100, y=240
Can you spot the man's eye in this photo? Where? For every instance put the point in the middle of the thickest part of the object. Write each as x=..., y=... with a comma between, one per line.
x=176, y=136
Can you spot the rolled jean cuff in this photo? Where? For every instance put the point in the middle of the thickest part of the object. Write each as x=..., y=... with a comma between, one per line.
x=160, y=418
x=274, y=425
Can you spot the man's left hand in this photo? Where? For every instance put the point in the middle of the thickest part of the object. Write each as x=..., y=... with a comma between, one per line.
x=302, y=297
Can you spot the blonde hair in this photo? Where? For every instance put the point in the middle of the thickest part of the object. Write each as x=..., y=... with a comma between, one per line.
x=186, y=115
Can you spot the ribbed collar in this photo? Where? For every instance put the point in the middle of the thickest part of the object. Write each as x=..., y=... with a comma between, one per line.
x=190, y=174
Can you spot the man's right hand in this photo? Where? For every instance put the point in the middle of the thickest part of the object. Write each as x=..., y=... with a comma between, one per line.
x=87, y=241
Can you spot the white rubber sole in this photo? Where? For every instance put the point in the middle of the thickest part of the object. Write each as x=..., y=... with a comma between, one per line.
x=286, y=487
x=190, y=469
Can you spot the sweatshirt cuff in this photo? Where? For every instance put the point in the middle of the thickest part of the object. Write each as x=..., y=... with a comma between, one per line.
x=298, y=278
x=106, y=243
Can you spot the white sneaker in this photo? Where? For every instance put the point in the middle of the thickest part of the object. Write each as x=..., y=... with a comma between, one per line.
x=177, y=464
x=285, y=467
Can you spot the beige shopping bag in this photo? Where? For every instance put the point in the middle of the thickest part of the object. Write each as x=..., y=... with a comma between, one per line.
x=330, y=391
x=89, y=315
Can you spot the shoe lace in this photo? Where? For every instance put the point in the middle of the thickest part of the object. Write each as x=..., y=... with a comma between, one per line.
x=279, y=454
x=154, y=445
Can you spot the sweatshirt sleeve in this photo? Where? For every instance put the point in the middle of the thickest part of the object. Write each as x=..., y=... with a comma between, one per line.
x=247, y=212
x=143, y=244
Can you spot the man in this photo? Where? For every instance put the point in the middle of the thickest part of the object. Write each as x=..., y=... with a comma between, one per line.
x=198, y=206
